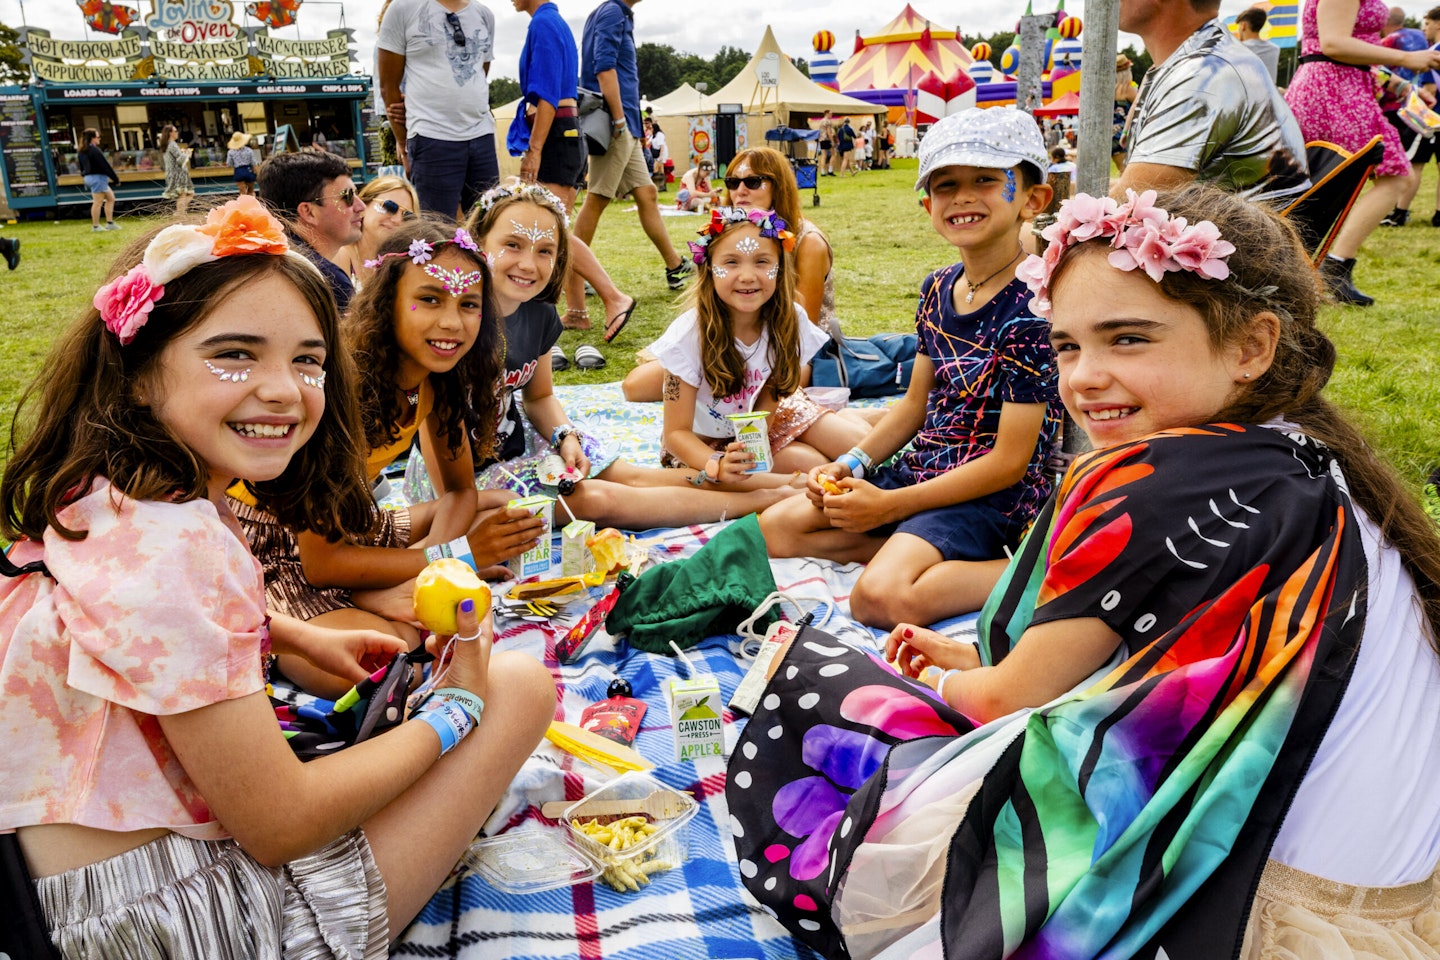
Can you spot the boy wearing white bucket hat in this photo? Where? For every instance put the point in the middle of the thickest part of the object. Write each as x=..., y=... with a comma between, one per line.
x=981, y=410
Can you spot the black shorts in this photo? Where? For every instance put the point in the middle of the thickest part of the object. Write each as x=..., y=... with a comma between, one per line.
x=824, y=144
x=563, y=155
x=1417, y=148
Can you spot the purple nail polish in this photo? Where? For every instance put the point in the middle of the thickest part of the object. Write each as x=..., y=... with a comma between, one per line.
x=467, y=605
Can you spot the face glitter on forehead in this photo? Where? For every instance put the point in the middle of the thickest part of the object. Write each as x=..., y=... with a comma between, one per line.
x=532, y=233
x=455, y=281
x=747, y=245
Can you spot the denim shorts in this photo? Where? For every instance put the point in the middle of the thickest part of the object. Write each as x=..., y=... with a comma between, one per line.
x=97, y=182
x=972, y=530
x=450, y=176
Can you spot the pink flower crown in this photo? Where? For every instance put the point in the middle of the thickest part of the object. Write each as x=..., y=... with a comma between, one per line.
x=770, y=223
x=242, y=226
x=1142, y=236
x=422, y=252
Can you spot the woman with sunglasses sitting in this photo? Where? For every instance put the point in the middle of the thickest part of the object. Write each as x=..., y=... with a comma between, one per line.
x=389, y=202
x=761, y=179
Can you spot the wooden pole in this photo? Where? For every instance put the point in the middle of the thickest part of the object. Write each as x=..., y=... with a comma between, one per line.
x=1032, y=54
x=1097, y=96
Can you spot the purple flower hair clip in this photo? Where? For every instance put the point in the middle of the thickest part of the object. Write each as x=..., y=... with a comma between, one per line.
x=422, y=252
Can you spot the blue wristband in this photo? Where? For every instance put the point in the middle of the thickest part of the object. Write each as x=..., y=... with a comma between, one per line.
x=449, y=720
x=857, y=469
x=459, y=548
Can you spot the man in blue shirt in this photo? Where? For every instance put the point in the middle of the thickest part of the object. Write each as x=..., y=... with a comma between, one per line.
x=608, y=64
x=545, y=134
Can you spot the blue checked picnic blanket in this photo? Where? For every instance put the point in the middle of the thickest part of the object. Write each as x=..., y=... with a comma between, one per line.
x=699, y=910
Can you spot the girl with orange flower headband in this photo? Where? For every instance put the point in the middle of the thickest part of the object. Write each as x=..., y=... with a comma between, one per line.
x=742, y=349
x=134, y=635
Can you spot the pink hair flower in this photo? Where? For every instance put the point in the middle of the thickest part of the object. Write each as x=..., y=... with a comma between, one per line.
x=1140, y=207
x=463, y=240
x=1199, y=249
x=125, y=303
x=420, y=252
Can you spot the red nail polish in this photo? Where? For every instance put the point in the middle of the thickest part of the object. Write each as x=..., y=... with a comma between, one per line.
x=909, y=633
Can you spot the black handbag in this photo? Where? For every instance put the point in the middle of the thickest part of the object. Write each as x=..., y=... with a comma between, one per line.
x=593, y=120
x=878, y=366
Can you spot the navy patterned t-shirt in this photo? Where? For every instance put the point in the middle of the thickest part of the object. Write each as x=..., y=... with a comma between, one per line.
x=998, y=354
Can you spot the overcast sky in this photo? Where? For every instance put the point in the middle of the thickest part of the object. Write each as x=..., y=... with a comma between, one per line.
x=737, y=23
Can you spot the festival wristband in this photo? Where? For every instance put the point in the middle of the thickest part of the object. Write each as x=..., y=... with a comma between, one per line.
x=473, y=704
x=558, y=435
x=857, y=469
x=459, y=548
x=449, y=720
x=862, y=456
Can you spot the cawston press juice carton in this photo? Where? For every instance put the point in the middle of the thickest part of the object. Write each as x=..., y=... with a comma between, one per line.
x=695, y=721
x=536, y=560
x=750, y=429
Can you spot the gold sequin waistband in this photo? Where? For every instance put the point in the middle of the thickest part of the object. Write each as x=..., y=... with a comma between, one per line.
x=1331, y=898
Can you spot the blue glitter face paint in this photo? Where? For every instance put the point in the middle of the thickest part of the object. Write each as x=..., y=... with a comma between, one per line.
x=1009, y=185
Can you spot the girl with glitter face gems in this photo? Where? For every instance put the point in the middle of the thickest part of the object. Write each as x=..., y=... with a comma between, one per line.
x=1201, y=715
x=133, y=633
x=743, y=348
x=421, y=331
x=537, y=449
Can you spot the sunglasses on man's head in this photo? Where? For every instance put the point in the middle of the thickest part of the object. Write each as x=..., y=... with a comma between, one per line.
x=457, y=33
x=346, y=197
x=751, y=183
x=392, y=208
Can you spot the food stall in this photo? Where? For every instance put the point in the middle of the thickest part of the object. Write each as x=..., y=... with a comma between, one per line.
x=129, y=88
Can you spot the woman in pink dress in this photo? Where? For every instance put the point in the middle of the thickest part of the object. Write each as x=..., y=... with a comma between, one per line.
x=1333, y=97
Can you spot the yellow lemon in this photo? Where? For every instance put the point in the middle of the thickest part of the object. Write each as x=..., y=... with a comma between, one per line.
x=439, y=589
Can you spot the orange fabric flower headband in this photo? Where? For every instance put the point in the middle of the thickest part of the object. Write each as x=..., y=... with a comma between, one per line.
x=242, y=226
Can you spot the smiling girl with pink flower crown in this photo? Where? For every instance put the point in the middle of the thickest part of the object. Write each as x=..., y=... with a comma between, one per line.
x=151, y=806
x=1201, y=716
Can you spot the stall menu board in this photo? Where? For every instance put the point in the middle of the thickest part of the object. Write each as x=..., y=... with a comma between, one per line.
x=21, y=150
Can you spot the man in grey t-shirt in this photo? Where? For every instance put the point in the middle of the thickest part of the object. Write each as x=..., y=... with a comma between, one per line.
x=1248, y=24
x=442, y=50
x=1207, y=110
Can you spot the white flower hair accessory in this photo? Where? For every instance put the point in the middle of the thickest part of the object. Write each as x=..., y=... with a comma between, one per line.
x=1141, y=236
x=515, y=188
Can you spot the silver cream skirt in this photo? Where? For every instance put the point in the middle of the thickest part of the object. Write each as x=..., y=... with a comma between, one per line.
x=189, y=899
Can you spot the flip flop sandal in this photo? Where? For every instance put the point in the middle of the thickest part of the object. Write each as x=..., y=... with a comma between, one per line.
x=588, y=358
x=558, y=360
x=615, y=324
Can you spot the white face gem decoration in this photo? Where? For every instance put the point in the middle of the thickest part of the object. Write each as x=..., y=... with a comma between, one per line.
x=455, y=282
x=747, y=245
x=773, y=272
x=533, y=233
x=226, y=376
x=317, y=382
x=720, y=272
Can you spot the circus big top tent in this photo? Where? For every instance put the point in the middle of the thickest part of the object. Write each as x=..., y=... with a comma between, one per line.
x=895, y=57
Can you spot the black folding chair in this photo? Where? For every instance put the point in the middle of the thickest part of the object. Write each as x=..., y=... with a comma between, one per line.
x=1336, y=179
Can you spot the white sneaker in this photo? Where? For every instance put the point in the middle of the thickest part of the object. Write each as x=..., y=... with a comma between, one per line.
x=112, y=225
x=96, y=229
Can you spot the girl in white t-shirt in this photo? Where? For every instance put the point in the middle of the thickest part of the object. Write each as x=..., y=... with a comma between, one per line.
x=741, y=349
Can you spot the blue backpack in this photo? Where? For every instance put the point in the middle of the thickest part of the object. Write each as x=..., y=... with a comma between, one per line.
x=878, y=366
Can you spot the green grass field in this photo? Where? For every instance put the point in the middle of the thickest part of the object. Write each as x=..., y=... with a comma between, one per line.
x=1388, y=375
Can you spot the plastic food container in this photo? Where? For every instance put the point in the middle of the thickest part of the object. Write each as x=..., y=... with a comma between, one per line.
x=529, y=861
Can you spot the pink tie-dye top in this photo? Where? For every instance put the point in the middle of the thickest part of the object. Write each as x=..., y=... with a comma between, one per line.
x=159, y=610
